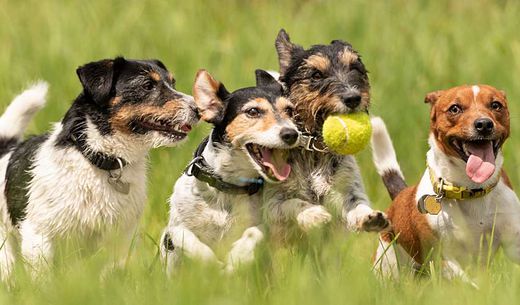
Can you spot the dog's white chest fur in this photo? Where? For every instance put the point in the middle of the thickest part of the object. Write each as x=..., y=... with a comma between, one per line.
x=472, y=223
x=70, y=196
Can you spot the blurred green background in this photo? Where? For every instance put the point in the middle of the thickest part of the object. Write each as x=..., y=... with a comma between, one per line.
x=410, y=49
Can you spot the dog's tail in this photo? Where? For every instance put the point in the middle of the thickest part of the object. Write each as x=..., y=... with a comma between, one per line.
x=19, y=113
x=385, y=160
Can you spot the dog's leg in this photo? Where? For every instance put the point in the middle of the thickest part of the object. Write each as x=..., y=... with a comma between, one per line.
x=177, y=240
x=36, y=249
x=451, y=270
x=7, y=248
x=243, y=250
x=507, y=225
x=119, y=245
x=357, y=213
x=307, y=215
x=386, y=264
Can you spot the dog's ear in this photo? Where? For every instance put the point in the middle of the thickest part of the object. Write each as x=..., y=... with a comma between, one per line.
x=265, y=79
x=97, y=78
x=285, y=49
x=210, y=96
x=432, y=97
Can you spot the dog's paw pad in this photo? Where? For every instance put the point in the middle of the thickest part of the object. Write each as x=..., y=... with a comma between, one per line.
x=313, y=217
x=375, y=222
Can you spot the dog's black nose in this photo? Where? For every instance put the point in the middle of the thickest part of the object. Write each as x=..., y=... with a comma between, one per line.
x=289, y=135
x=484, y=126
x=352, y=100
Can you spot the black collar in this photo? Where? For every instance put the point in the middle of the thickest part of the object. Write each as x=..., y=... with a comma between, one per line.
x=201, y=170
x=98, y=159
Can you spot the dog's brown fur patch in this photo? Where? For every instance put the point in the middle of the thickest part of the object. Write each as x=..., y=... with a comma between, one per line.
x=155, y=76
x=347, y=57
x=121, y=120
x=319, y=62
x=415, y=234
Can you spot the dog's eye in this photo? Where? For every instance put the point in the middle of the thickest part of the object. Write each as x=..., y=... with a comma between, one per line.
x=148, y=85
x=317, y=75
x=455, y=109
x=253, y=112
x=289, y=111
x=497, y=106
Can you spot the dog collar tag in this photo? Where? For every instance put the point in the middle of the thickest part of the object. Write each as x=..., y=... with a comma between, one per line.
x=119, y=186
x=430, y=204
x=114, y=179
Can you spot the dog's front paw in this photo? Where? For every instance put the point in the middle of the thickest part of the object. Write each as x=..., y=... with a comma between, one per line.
x=313, y=217
x=206, y=255
x=374, y=222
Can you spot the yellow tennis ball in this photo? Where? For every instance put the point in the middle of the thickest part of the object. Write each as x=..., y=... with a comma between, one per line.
x=347, y=134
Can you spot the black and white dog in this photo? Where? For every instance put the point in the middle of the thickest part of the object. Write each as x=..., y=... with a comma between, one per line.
x=221, y=188
x=86, y=178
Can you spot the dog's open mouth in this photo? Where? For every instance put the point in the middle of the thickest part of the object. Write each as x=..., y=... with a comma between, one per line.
x=175, y=131
x=480, y=157
x=273, y=161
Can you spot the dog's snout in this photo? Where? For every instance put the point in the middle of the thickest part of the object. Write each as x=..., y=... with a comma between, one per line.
x=352, y=100
x=289, y=135
x=484, y=126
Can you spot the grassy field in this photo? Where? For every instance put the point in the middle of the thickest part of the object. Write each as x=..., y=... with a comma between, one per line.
x=409, y=47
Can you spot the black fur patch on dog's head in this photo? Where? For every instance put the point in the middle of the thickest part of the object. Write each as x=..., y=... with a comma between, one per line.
x=132, y=97
x=322, y=80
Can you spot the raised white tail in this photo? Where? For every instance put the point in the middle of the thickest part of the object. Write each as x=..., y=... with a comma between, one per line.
x=19, y=113
x=385, y=160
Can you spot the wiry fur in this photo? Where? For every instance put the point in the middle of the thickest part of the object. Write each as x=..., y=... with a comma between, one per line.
x=63, y=194
x=320, y=81
x=201, y=216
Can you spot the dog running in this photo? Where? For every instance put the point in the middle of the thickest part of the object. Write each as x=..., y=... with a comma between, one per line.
x=86, y=178
x=221, y=187
x=322, y=80
x=464, y=202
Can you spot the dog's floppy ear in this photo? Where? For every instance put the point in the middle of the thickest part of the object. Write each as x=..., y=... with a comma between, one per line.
x=285, y=49
x=432, y=97
x=265, y=79
x=97, y=78
x=210, y=96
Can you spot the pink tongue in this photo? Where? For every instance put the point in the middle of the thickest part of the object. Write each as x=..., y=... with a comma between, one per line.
x=280, y=171
x=481, y=163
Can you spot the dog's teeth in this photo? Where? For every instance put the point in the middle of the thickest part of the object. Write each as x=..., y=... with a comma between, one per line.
x=465, y=149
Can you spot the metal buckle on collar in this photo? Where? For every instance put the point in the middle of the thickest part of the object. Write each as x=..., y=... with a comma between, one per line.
x=440, y=190
x=309, y=143
x=189, y=168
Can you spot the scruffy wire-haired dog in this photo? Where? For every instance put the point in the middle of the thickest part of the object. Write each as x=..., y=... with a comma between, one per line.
x=320, y=81
x=252, y=132
x=86, y=178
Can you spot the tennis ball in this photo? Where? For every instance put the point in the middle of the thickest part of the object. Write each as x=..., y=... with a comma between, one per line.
x=347, y=134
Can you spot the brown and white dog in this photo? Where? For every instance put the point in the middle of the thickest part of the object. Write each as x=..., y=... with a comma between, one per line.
x=464, y=201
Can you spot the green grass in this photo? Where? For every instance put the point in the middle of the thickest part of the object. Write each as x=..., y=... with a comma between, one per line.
x=410, y=48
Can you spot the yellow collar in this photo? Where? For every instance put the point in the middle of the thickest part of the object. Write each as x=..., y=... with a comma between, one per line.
x=444, y=189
